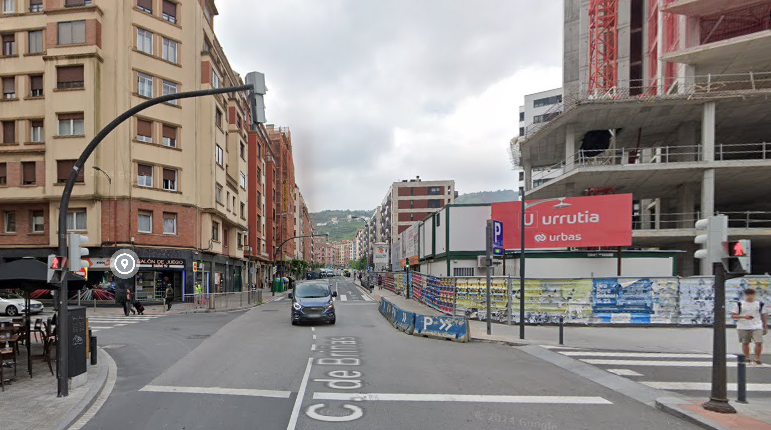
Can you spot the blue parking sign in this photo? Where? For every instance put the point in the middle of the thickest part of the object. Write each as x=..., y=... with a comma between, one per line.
x=497, y=238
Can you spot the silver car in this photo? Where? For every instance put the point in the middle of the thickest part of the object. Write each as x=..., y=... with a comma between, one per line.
x=13, y=304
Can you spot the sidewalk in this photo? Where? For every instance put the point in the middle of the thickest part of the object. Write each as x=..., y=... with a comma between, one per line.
x=177, y=308
x=753, y=416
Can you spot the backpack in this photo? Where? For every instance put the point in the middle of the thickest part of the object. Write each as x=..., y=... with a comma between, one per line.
x=760, y=307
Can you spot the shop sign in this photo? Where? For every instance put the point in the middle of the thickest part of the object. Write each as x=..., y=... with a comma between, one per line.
x=161, y=263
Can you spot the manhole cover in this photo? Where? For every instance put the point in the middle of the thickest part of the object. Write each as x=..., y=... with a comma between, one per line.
x=198, y=336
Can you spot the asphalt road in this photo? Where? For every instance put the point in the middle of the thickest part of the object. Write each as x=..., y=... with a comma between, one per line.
x=255, y=370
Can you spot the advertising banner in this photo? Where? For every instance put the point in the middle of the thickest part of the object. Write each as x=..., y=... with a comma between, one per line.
x=381, y=254
x=568, y=222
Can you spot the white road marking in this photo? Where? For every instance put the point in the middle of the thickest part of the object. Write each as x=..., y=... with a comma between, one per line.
x=343, y=298
x=217, y=391
x=278, y=299
x=314, y=337
x=703, y=386
x=300, y=396
x=112, y=376
x=313, y=328
x=313, y=347
x=466, y=398
x=624, y=372
x=633, y=354
x=367, y=298
x=556, y=347
x=654, y=363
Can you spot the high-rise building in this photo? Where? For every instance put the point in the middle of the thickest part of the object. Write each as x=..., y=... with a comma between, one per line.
x=169, y=183
x=409, y=201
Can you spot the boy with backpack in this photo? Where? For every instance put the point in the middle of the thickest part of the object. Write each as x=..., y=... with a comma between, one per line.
x=751, y=323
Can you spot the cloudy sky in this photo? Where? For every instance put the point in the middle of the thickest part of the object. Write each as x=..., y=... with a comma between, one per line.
x=378, y=91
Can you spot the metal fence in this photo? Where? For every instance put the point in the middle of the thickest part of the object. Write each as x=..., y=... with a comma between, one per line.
x=219, y=301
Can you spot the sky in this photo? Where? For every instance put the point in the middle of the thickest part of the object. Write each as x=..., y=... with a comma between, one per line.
x=378, y=91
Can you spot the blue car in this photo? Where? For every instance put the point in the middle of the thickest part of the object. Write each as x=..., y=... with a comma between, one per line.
x=312, y=301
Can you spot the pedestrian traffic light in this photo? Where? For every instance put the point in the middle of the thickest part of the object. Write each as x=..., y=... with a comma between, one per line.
x=76, y=251
x=56, y=266
x=738, y=257
x=714, y=233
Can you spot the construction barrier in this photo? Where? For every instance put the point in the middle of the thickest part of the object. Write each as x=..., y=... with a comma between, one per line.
x=440, y=327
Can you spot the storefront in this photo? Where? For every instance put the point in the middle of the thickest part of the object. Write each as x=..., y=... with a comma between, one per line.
x=156, y=274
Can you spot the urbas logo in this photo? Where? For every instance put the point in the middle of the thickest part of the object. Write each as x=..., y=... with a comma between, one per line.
x=562, y=237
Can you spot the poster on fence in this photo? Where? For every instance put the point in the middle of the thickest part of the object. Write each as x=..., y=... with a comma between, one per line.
x=546, y=300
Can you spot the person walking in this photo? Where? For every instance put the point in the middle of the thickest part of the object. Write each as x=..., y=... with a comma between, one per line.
x=379, y=282
x=169, y=296
x=198, y=295
x=128, y=304
x=751, y=323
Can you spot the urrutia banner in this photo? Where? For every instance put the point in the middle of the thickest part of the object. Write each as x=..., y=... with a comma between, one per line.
x=568, y=222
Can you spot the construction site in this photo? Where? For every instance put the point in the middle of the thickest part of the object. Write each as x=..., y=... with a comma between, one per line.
x=669, y=100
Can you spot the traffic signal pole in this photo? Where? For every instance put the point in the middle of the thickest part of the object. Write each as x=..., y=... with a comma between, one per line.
x=718, y=398
x=62, y=328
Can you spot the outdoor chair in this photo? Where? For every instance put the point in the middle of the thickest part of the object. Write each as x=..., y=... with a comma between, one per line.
x=7, y=355
x=37, y=331
x=49, y=342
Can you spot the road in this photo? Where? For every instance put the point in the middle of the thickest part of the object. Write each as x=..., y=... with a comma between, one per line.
x=254, y=369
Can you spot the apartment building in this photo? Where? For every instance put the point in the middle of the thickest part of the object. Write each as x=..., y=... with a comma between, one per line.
x=319, y=249
x=538, y=110
x=302, y=227
x=284, y=188
x=667, y=101
x=259, y=191
x=169, y=183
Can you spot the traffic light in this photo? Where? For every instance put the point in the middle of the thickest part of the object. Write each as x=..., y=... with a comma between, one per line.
x=714, y=233
x=76, y=251
x=56, y=266
x=738, y=257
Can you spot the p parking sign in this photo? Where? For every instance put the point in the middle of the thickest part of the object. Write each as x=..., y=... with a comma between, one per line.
x=497, y=239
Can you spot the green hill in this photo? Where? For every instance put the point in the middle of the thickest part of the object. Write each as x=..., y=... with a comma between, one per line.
x=337, y=224
x=488, y=197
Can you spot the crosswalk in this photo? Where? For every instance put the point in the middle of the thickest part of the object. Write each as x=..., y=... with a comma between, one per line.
x=684, y=373
x=105, y=322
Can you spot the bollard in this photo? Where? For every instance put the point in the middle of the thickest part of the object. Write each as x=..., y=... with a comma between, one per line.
x=93, y=350
x=741, y=379
x=562, y=330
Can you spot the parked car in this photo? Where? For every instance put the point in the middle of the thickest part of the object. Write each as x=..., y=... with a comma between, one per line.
x=13, y=304
x=313, y=301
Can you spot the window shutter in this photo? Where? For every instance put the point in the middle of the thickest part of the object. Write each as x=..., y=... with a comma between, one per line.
x=147, y=4
x=63, y=169
x=69, y=3
x=169, y=175
x=169, y=132
x=28, y=172
x=170, y=8
x=9, y=132
x=8, y=38
x=9, y=85
x=69, y=74
x=35, y=2
x=36, y=82
x=144, y=127
x=37, y=123
x=65, y=116
x=145, y=170
x=2, y=170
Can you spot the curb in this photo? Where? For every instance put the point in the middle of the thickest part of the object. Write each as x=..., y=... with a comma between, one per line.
x=671, y=405
x=82, y=406
x=497, y=342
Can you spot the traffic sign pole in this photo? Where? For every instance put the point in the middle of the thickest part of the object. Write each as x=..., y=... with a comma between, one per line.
x=489, y=264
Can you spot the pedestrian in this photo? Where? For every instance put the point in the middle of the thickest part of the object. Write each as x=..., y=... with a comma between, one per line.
x=128, y=303
x=198, y=295
x=751, y=323
x=169, y=296
x=380, y=282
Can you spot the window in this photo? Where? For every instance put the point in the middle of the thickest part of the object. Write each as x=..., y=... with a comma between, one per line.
x=35, y=42
x=144, y=130
x=9, y=44
x=538, y=119
x=9, y=6
x=225, y=237
x=71, y=33
x=207, y=12
x=63, y=169
x=243, y=211
x=243, y=180
x=218, y=118
x=144, y=85
x=74, y=3
x=435, y=203
x=219, y=156
x=28, y=173
x=71, y=124
x=35, y=5
x=522, y=131
x=547, y=101
x=170, y=11
x=242, y=151
x=169, y=50
x=218, y=193
x=169, y=179
x=69, y=77
x=145, y=222
x=438, y=219
x=145, y=5
x=239, y=240
x=145, y=175
x=215, y=80
x=3, y=174
x=76, y=220
x=144, y=41
x=36, y=133
x=462, y=271
x=215, y=231
x=9, y=132
x=434, y=191
x=170, y=88
x=521, y=116
x=36, y=86
x=9, y=222
x=234, y=204
x=227, y=199
x=37, y=221
x=9, y=88
x=169, y=136
x=169, y=223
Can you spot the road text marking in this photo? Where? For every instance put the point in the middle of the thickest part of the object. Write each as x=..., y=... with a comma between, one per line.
x=624, y=372
x=343, y=298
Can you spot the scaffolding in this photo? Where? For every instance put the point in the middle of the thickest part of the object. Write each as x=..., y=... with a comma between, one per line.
x=603, y=45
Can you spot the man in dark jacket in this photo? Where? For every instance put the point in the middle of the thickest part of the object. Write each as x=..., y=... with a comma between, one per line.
x=169, y=296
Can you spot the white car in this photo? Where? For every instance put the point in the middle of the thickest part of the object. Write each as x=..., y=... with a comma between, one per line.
x=13, y=304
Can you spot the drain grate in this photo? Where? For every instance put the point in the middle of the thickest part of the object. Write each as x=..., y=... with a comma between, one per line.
x=198, y=336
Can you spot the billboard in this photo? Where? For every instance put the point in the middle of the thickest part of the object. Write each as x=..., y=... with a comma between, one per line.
x=381, y=254
x=568, y=222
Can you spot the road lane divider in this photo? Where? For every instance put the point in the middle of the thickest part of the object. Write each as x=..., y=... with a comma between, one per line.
x=300, y=396
x=462, y=398
x=434, y=326
x=216, y=391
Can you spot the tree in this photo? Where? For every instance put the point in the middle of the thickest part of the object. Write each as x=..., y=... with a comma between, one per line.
x=298, y=267
x=359, y=264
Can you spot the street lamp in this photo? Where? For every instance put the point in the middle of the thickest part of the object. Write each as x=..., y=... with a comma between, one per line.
x=523, y=208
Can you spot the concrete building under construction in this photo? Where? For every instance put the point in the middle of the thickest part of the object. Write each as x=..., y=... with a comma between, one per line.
x=668, y=100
